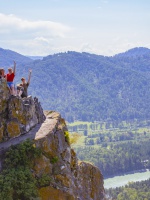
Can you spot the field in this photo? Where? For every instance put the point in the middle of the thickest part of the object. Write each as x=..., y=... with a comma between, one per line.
x=99, y=133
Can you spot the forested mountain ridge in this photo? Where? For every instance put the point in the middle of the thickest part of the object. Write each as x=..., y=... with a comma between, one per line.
x=90, y=87
x=7, y=57
x=135, y=59
x=137, y=51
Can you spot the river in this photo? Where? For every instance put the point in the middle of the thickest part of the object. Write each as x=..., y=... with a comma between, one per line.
x=122, y=180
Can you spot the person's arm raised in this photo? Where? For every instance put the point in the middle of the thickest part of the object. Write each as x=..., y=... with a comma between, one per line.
x=14, y=70
x=30, y=71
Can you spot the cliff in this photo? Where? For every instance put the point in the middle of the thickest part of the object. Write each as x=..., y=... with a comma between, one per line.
x=70, y=179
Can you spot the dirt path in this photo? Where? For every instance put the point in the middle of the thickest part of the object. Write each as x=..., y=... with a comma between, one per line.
x=19, y=139
x=40, y=131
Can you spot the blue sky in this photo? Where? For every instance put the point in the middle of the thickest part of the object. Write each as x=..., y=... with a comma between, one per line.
x=104, y=27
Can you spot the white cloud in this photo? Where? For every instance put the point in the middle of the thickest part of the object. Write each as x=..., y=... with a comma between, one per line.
x=30, y=37
x=46, y=37
x=86, y=47
x=15, y=28
x=11, y=24
x=42, y=40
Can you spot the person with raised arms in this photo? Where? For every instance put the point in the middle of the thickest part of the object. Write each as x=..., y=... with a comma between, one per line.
x=10, y=78
x=22, y=88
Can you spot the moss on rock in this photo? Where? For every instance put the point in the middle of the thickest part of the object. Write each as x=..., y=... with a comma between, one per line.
x=13, y=129
x=50, y=193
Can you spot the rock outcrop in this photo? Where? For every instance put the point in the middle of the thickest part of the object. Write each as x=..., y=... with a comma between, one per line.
x=71, y=179
x=17, y=116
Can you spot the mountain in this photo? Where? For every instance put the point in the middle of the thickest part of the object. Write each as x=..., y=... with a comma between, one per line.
x=7, y=57
x=90, y=87
x=136, y=59
x=137, y=51
x=35, y=57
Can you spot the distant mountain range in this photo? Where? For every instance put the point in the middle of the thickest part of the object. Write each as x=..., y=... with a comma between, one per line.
x=35, y=57
x=90, y=87
x=7, y=57
x=138, y=51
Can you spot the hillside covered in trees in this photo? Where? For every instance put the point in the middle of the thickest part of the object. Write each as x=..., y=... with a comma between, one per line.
x=119, y=158
x=7, y=57
x=134, y=191
x=88, y=87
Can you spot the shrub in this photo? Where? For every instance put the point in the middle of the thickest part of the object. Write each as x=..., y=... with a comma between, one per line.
x=74, y=138
x=16, y=180
x=67, y=137
x=53, y=160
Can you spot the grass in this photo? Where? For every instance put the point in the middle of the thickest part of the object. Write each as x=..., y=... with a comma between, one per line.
x=137, y=128
x=76, y=123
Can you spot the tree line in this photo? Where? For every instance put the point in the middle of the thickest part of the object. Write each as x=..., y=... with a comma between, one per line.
x=119, y=158
x=132, y=191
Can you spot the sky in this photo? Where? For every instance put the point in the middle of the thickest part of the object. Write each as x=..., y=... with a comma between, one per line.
x=45, y=27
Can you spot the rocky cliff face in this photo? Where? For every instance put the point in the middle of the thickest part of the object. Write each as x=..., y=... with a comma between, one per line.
x=17, y=116
x=70, y=179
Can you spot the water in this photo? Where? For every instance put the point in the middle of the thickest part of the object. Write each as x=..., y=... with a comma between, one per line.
x=118, y=181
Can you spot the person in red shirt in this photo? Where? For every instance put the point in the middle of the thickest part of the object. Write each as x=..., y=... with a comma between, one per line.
x=10, y=78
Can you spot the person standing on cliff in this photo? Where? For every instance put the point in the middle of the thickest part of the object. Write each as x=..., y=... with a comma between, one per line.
x=10, y=78
x=22, y=88
x=3, y=73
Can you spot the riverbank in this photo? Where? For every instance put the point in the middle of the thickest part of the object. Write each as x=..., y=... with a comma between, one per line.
x=131, y=172
x=122, y=180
